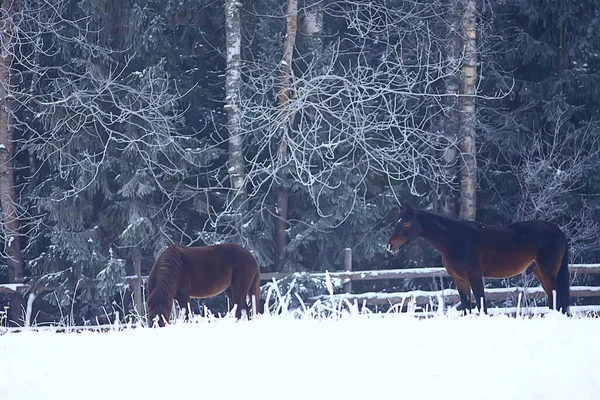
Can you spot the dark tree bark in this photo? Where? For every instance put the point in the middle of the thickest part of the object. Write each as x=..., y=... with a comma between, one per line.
x=281, y=222
x=10, y=218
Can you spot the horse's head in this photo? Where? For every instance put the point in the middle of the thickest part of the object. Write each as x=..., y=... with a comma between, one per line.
x=407, y=229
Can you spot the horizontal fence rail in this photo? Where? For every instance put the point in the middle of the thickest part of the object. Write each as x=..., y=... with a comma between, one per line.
x=422, y=297
x=408, y=273
x=419, y=297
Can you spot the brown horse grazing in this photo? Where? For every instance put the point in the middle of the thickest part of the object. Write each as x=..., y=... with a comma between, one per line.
x=183, y=272
x=471, y=251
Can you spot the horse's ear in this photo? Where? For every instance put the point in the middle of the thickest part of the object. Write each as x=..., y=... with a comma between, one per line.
x=408, y=211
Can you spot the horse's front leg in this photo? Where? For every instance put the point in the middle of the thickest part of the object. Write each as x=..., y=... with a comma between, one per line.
x=476, y=281
x=183, y=299
x=464, y=290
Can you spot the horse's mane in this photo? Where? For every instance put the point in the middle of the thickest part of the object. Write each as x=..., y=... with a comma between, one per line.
x=165, y=276
x=439, y=222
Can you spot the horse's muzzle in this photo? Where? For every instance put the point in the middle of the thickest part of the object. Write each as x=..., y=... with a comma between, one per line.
x=394, y=245
x=390, y=249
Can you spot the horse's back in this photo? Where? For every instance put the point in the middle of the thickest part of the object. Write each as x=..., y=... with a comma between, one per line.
x=211, y=268
x=233, y=252
x=231, y=255
x=532, y=232
x=544, y=233
x=506, y=250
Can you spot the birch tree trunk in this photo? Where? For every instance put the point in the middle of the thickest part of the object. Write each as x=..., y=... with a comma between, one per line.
x=10, y=218
x=450, y=124
x=312, y=23
x=468, y=168
x=282, y=148
x=236, y=167
x=560, y=52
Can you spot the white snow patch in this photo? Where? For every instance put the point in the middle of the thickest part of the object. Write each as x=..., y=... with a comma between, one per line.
x=393, y=356
x=13, y=287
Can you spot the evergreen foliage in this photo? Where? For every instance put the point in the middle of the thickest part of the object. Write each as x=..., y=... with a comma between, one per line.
x=540, y=143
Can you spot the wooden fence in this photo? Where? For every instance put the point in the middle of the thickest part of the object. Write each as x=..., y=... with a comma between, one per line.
x=421, y=297
x=348, y=276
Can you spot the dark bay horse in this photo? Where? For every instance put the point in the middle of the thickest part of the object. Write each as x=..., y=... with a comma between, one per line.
x=182, y=272
x=471, y=251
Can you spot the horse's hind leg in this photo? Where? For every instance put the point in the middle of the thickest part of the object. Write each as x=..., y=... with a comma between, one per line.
x=240, y=288
x=548, y=283
x=548, y=262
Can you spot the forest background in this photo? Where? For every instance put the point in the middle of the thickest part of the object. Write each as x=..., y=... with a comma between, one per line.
x=296, y=128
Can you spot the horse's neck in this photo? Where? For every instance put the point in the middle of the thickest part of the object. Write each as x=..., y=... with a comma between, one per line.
x=437, y=230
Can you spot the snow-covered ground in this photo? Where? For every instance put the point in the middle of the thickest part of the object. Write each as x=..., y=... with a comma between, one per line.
x=356, y=356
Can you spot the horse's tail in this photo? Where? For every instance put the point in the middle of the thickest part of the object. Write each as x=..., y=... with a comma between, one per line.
x=162, y=285
x=255, y=293
x=563, y=289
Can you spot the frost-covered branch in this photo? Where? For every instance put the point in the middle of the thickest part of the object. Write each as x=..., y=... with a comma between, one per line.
x=353, y=113
x=554, y=166
x=81, y=107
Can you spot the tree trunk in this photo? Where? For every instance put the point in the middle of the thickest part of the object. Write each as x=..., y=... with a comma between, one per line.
x=468, y=167
x=236, y=165
x=560, y=52
x=284, y=95
x=450, y=123
x=10, y=218
x=312, y=22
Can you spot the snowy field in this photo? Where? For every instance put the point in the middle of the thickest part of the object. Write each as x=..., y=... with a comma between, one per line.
x=377, y=356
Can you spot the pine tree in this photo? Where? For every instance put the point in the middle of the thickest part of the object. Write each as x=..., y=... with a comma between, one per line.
x=103, y=111
x=540, y=142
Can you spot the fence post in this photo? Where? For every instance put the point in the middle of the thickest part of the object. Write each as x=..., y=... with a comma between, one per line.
x=443, y=305
x=137, y=286
x=348, y=267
